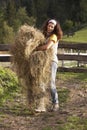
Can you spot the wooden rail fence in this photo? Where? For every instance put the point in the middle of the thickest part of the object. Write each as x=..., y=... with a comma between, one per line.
x=78, y=56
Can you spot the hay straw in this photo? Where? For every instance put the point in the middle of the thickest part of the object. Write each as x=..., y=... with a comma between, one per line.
x=32, y=67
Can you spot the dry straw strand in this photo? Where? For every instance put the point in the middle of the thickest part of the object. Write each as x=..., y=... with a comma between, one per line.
x=32, y=67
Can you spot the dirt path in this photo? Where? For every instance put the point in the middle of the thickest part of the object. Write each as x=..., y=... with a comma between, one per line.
x=16, y=116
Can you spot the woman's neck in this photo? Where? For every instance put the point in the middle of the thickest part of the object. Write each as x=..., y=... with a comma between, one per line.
x=48, y=34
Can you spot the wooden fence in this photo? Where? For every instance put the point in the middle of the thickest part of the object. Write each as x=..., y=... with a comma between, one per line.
x=62, y=56
x=73, y=52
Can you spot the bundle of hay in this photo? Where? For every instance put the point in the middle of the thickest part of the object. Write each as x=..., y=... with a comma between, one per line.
x=32, y=67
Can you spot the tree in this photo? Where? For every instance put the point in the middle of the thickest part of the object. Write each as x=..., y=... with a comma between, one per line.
x=30, y=7
x=83, y=5
x=23, y=16
x=1, y=25
x=67, y=26
x=10, y=12
x=8, y=34
x=73, y=10
x=41, y=11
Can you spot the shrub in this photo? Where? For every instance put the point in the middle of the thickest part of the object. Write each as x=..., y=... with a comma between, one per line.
x=8, y=84
x=67, y=25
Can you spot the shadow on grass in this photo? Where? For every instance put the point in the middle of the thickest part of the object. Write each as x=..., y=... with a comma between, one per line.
x=17, y=111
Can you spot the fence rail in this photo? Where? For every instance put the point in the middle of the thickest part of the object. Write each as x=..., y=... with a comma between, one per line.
x=62, y=57
x=72, y=45
x=77, y=52
x=5, y=47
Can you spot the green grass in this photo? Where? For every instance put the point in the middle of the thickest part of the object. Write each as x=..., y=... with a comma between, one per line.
x=72, y=123
x=70, y=77
x=63, y=94
x=9, y=84
x=47, y=128
x=80, y=36
x=65, y=76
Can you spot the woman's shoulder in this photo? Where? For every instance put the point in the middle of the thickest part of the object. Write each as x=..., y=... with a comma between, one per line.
x=53, y=37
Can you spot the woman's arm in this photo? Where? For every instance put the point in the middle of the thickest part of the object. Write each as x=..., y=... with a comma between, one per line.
x=46, y=46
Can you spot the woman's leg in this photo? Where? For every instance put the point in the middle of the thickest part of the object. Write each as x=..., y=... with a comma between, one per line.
x=54, y=93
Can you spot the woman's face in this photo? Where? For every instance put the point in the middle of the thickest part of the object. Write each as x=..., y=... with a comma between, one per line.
x=50, y=27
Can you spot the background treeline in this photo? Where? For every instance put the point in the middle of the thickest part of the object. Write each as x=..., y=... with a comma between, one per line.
x=72, y=14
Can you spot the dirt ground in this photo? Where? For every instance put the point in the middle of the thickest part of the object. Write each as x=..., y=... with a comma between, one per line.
x=15, y=115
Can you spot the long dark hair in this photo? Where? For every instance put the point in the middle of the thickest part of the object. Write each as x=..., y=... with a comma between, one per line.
x=57, y=29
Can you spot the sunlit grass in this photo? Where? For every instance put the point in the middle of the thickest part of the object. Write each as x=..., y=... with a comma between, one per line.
x=71, y=75
x=80, y=36
x=72, y=123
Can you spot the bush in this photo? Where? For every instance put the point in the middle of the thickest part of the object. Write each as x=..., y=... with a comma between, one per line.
x=67, y=25
x=9, y=85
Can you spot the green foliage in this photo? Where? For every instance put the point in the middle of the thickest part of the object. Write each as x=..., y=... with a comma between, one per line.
x=10, y=21
x=30, y=7
x=62, y=10
x=17, y=24
x=8, y=84
x=41, y=11
x=35, y=12
x=1, y=25
x=23, y=16
x=32, y=21
x=10, y=12
x=83, y=5
x=8, y=34
x=68, y=24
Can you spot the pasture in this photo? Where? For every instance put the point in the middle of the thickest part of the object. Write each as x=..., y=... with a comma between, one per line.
x=79, y=36
x=16, y=115
x=72, y=90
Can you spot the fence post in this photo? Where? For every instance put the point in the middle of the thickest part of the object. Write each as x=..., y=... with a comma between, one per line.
x=63, y=60
x=78, y=61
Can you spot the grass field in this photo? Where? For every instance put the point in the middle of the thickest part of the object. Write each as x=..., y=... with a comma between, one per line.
x=80, y=36
x=72, y=115
x=72, y=89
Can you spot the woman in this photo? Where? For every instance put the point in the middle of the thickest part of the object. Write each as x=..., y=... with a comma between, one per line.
x=53, y=33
